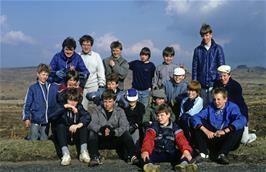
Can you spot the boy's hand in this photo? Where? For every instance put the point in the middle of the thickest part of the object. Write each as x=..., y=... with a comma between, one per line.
x=27, y=123
x=208, y=133
x=73, y=128
x=219, y=133
x=111, y=63
x=187, y=155
x=73, y=108
x=145, y=156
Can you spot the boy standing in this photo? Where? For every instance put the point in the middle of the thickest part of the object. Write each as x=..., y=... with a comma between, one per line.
x=116, y=64
x=71, y=121
x=208, y=56
x=165, y=71
x=94, y=64
x=143, y=72
x=161, y=142
x=40, y=101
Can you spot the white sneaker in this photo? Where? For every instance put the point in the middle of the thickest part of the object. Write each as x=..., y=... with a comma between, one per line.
x=84, y=157
x=251, y=137
x=66, y=159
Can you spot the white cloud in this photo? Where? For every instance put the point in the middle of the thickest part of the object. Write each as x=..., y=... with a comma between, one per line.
x=104, y=41
x=178, y=7
x=186, y=6
x=16, y=37
x=135, y=48
x=223, y=41
x=12, y=37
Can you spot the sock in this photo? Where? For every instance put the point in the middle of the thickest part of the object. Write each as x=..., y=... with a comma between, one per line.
x=65, y=150
x=83, y=147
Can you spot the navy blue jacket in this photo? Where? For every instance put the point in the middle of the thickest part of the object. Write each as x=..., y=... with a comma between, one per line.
x=234, y=90
x=38, y=105
x=69, y=118
x=230, y=117
x=205, y=63
x=61, y=62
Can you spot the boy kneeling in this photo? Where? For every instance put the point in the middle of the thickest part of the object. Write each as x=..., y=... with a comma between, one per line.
x=165, y=142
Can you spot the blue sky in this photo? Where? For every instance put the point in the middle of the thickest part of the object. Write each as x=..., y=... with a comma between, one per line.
x=33, y=31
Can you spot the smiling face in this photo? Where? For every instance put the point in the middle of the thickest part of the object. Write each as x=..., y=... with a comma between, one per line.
x=224, y=77
x=116, y=52
x=86, y=47
x=219, y=100
x=42, y=76
x=179, y=78
x=72, y=83
x=68, y=52
x=168, y=59
x=192, y=94
x=207, y=38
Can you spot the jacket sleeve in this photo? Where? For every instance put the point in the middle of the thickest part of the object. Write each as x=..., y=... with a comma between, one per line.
x=155, y=79
x=121, y=69
x=53, y=66
x=197, y=107
x=82, y=67
x=85, y=116
x=149, y=141
x=182, y=142
x=220, y=58
x=95, y=124
x=60, y=110
x=238, y=120
x=27, y=105
x=100, y=72
x=195, y=65
x=196, y=120
x=123, y=123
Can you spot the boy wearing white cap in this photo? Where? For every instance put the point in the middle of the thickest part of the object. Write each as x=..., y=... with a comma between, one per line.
x=234, y=90
x=134, y=112
x=176, y=88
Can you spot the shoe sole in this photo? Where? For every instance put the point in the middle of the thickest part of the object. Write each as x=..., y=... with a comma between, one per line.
x=153, y=168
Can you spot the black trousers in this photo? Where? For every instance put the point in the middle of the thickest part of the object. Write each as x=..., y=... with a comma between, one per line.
x=64, y=137
x=123, y=143
x=224, y=144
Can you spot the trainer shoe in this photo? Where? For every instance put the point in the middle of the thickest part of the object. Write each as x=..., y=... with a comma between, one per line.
x=84, y=157
x=151, y=168
x=200, y=158
x=222, y=159
x=133, y=160
x=186, y=167
x=66, y=159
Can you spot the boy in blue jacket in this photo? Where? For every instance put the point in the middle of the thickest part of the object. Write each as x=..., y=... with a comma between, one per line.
x=40, y=101
x=219, y=127
x=71, y=121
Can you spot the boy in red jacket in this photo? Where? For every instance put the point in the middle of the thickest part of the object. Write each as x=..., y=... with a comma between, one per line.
x=165, y=142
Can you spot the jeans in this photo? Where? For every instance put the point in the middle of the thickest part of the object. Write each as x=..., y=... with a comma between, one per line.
x=38, y=132
x=86, y=90
x=144, y=97
x=96, y=142
x=206, y=94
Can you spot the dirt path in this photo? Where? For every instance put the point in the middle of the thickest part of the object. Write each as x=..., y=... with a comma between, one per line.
x=119, y=166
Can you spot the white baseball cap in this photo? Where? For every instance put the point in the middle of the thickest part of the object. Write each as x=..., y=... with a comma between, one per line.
x=179, y=71
x=224, y=69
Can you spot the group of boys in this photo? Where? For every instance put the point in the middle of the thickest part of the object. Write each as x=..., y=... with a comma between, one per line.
x=162, y=118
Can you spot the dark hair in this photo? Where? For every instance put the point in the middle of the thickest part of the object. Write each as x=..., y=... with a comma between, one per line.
x=72, y=74
x=86, y=38
x=205, y=28
x=168, y=51
x=164, y=108
x=195, y=86
x=113, y=77
x=145, y=51
x=116, y=44
x=221, y=90
x=73, y=94
x=43, y=68
x=70, y=43
x=108, y=94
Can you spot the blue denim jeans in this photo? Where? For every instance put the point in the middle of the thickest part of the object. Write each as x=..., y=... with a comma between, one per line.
x=144, y=97
x=38, y=132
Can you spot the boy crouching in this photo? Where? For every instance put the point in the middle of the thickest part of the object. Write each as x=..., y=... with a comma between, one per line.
x=165, y=142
